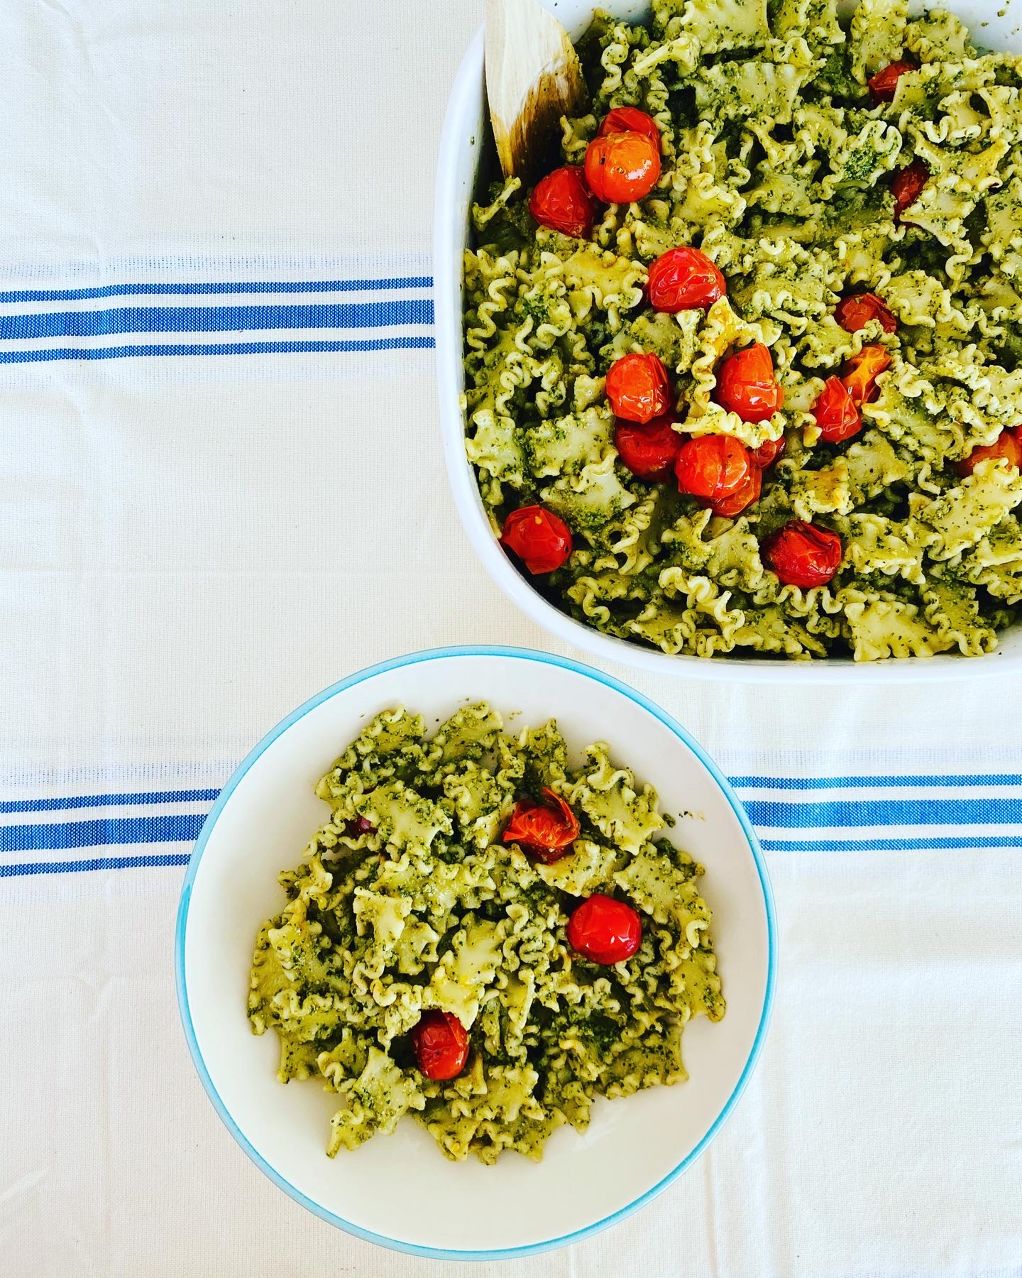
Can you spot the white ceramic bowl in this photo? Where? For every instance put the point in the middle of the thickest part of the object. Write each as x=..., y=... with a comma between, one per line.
x=465, y=133
x=399, y=1190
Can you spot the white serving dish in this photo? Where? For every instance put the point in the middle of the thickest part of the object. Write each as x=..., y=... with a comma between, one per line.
x=466, y=131
x=399, y=1190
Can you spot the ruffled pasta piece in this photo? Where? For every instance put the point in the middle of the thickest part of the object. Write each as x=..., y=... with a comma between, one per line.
x=884, y=626
x=737, y=90
x=877, y=35
x=961, y=517
x=373, y=1103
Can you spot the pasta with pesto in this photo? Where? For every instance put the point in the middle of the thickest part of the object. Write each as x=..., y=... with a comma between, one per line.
x=432, y=896
x=856, y=185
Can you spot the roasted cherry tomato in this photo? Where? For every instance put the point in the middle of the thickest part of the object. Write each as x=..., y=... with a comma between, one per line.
x=836, y=413
x=741, y=498
x=562, y=202
x=746, y=384
x=803, y=555
x=540, y=539
x=440, y=1044
x=629, y=119
x=622, y=167
x=359, y=825
x=907, y=186
x=545, y=830
x=713, y=467
x=856, y=312
x=605, y=930
x=884, y=85
x=1007, y=446
x=683, y=279
x=861, y=373
x=766, y=454
x=648, y=451
x=638, y=388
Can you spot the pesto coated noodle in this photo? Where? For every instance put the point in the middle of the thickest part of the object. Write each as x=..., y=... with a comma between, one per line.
x=806, y=185
x=410, y=903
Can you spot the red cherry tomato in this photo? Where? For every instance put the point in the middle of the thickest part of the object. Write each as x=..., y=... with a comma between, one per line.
x=861, y=373
x=836, y=413
x=540, y=539
x=629, y=119
x=605, y=930
x=907, y=186
x=746, y=384
x=1007, y=445
x=561, y=201
x=857, y=311
x=766, y=454
x=713, y=467
x=546, y=830
x=742, y=497
x=648, y=451
x=638, y=388
x=622, y=167
x=803, y=555
x=440, y=1044
x=884, y=85
x=683, y=279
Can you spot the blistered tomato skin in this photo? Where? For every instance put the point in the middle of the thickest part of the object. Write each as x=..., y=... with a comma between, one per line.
x=861, y=373
x=648, y=450
x=803, y=555
x=766, y=454
x=638, y=388
x=622, y=167
x=1006, y=447
x=907, y=186
x=746, y=384
x=540, y=539
x=884, y=85
x=742, y=498
x=836, y=413
x=629, y=119
x=545, y=830
x=855, y=312
x=562, y=202
x=605, y=930
x=713, y=467
x=683, y=279
x=440, y=1044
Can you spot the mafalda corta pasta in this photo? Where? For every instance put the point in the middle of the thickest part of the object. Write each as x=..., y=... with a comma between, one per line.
x=422, y=902
x=858, y=185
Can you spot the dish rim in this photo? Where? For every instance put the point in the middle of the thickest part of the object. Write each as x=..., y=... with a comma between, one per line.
x=343, y=685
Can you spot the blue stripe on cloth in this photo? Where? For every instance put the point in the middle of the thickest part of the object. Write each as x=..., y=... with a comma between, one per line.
x=879, y=783
x=72, y=801
x=36, y=355
x=218, y=288
x=874, y=812
x=96, y=863
x=953, y=843
x=103, y=832
x=214, y=319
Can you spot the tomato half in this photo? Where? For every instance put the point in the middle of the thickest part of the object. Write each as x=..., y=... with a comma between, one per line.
x=804, y=555
x=545, y=830
x=861, y=373
x=746, y=384
x=540, y=539
x=648, y=450
x=629, y=119
x=605, y=930
x=856, y=312
x=622, y=167
x=1007, y=447
x=713, y=467
x=440, y=1044
x=683, y=279
x=766, y=454
x=836, y=413
x=741, y=498
x=562, y=202
x=638, y=388
x=884, y=85
x=907, y=186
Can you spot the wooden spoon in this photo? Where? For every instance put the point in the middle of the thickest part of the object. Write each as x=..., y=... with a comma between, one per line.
x=533, y=77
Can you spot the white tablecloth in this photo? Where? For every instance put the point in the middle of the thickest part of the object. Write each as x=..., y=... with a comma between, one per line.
x=220, y=490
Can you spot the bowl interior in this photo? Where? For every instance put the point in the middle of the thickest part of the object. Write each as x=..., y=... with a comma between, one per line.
x=400, y=1189
x=466, y=134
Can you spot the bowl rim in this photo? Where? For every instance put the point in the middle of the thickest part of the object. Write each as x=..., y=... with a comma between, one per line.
x=180, y=940
x=467, y=92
